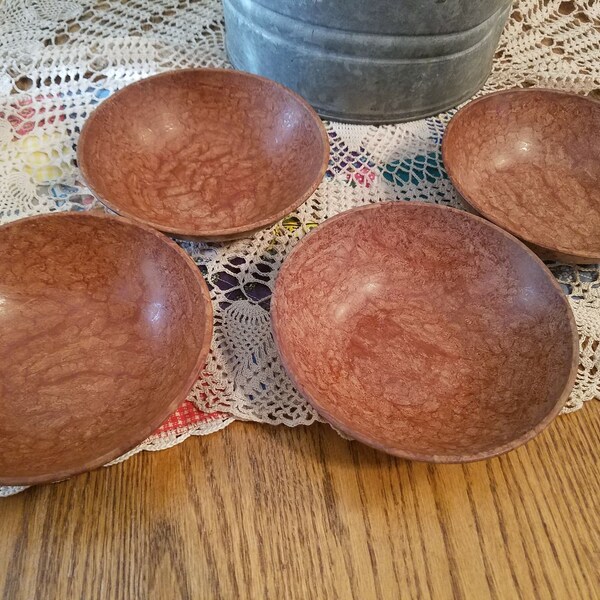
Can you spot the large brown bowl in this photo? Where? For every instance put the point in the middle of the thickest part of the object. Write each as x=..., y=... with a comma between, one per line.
x=529, y=160
x=204, y=153
x=425, y=332
x=104, y=327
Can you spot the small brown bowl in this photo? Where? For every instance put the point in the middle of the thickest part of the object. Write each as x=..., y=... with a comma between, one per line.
x=529, y=161
x=425, y=332
x=104, y=328
x=205, y=154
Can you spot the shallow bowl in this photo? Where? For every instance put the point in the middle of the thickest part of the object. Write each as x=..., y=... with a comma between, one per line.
x=208, y=154
x=104, y=328
x=425, y=332
x=529, y=161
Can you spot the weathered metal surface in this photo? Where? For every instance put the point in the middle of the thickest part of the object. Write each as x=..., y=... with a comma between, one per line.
x=369, y=61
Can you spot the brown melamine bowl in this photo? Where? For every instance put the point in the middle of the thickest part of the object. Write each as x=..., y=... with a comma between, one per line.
x=529, y=161
x=204, y=153
x=425, y=332
x=104, y=327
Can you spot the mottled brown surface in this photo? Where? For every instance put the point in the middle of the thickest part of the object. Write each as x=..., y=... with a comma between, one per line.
x=206, y=153
x=425, y=331
x=529, y=160
x=104, y=326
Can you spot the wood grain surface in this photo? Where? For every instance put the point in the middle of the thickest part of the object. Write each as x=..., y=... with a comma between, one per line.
x=269, y=512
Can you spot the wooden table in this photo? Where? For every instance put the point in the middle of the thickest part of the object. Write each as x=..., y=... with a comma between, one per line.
x=268, y=512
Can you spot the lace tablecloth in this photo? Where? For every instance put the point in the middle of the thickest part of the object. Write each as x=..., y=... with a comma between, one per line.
x=60, y=58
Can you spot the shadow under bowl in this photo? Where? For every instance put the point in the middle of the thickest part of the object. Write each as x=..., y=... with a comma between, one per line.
x=529, y=161
x=425, y=332
x=210, y=154
x=104, y=328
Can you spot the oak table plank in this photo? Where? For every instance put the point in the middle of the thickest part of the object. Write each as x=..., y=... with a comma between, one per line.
x=270, y=512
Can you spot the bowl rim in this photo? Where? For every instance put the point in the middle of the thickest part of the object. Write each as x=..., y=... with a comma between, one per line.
x=213, y=234
x=568, y=254
x=416, y=456
x=179, y=397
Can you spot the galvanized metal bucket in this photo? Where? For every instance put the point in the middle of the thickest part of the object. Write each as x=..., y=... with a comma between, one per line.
x=369, y=61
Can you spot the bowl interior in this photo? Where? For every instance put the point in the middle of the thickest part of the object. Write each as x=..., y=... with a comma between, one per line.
x=529, y=160
x=104, y=327
x=204, y=153
x=424, y=331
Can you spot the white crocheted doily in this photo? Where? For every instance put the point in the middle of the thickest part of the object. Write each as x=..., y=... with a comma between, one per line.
x=59, y=59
